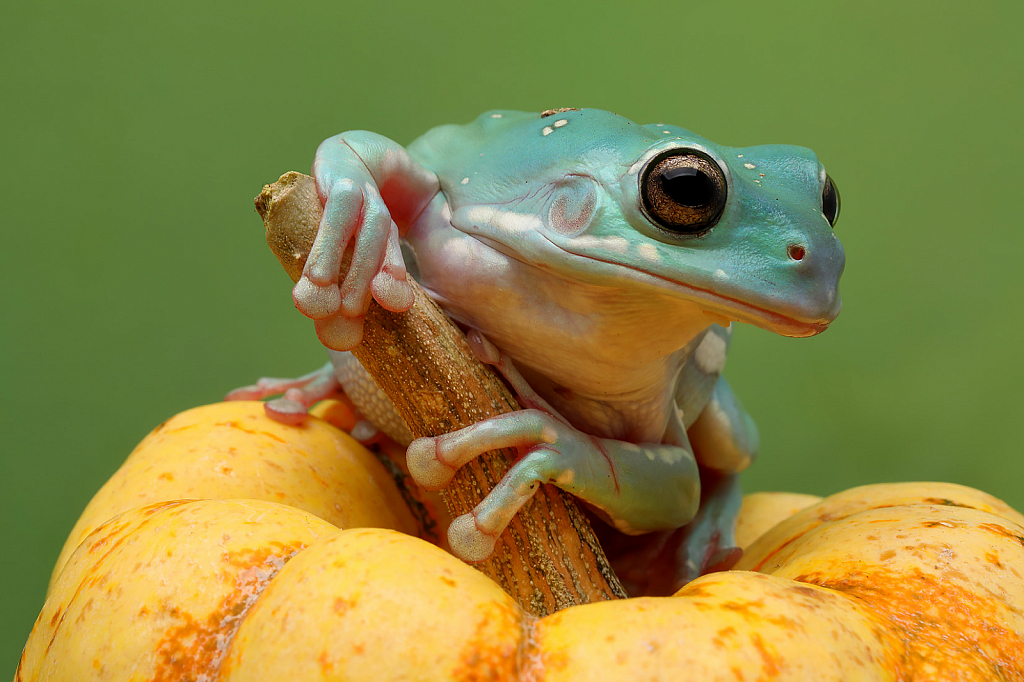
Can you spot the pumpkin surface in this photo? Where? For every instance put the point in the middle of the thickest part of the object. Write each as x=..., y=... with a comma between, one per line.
x=918, y=581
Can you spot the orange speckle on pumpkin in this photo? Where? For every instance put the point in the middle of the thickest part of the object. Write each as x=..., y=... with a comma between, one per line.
x=166, y=476
x=1003, y=531
x=945, y=502
x=326, y=664
x=486, y=658
x=272, y=436
x=194, y=649
x=944, y=626
x=769, y=657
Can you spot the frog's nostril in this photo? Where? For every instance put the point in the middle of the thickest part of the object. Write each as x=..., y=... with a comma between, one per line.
x=797, y=252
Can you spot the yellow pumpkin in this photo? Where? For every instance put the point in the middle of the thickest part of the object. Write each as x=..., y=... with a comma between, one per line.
x=914, y=581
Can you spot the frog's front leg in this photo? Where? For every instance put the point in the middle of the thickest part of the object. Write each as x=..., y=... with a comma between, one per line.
x=371, y=190
x=640, y=488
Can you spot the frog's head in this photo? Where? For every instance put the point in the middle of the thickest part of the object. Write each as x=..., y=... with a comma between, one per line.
x=751, y=228
x=746, y=233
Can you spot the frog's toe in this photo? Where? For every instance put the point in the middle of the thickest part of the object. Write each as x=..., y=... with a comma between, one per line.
x=390, y=287
x=340, y=332
x=426, y=466
x=468, y=541
x=392, y=294
x=722, y=560
x=286, y=410
x=316, y=301
x=484, y=351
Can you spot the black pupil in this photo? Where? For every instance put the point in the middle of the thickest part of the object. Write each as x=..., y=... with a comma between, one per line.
x=688, y=186
x=830, y=201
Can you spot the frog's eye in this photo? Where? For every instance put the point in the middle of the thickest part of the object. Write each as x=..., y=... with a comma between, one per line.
x=830, y=201
x=683, y=191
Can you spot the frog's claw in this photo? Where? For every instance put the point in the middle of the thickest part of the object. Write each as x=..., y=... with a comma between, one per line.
x=298, y=394
x=371, y=190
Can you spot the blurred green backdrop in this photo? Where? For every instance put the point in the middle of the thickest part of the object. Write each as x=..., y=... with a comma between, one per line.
x=137, y=284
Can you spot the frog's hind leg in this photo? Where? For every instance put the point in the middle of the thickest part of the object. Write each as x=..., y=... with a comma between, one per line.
x=725, y=442
x=724, y=436
x=298, y=394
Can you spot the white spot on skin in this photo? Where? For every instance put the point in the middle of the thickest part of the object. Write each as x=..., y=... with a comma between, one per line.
x=721, y=274
x=710, y=354
x=496, y=115
x=465, y=181
x=560, y=122
x=616, y=244
x=649, y=252
x=749, y=165
x=739, y=156
x=507, y=221
x=670, y=455
x=547, y=130
x=566, y=477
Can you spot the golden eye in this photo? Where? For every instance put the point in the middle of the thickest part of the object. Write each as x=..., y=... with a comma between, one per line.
x=683, y=191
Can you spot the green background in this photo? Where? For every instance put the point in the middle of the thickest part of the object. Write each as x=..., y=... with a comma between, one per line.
x=136, y=283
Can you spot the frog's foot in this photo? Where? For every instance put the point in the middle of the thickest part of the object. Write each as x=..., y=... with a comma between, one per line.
x=555, y=453
x=298, y=394
x=640, y=487
x=370, y=187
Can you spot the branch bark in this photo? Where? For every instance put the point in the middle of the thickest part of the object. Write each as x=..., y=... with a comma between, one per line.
x=548, y=558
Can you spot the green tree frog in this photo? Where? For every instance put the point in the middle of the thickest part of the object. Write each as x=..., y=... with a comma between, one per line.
x=600, y=264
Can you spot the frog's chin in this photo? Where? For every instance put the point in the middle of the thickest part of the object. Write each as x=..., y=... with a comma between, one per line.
x=724, y=309
x=776, y=322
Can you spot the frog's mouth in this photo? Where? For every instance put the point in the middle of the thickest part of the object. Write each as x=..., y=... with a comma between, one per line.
x=728, y=307
x=741, y=311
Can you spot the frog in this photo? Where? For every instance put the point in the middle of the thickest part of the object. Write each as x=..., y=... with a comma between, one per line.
x=600, y=266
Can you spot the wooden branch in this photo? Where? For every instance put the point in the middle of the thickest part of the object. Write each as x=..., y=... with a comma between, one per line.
x=548, y=558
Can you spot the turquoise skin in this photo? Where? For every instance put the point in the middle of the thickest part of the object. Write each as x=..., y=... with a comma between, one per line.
x=601, y=264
